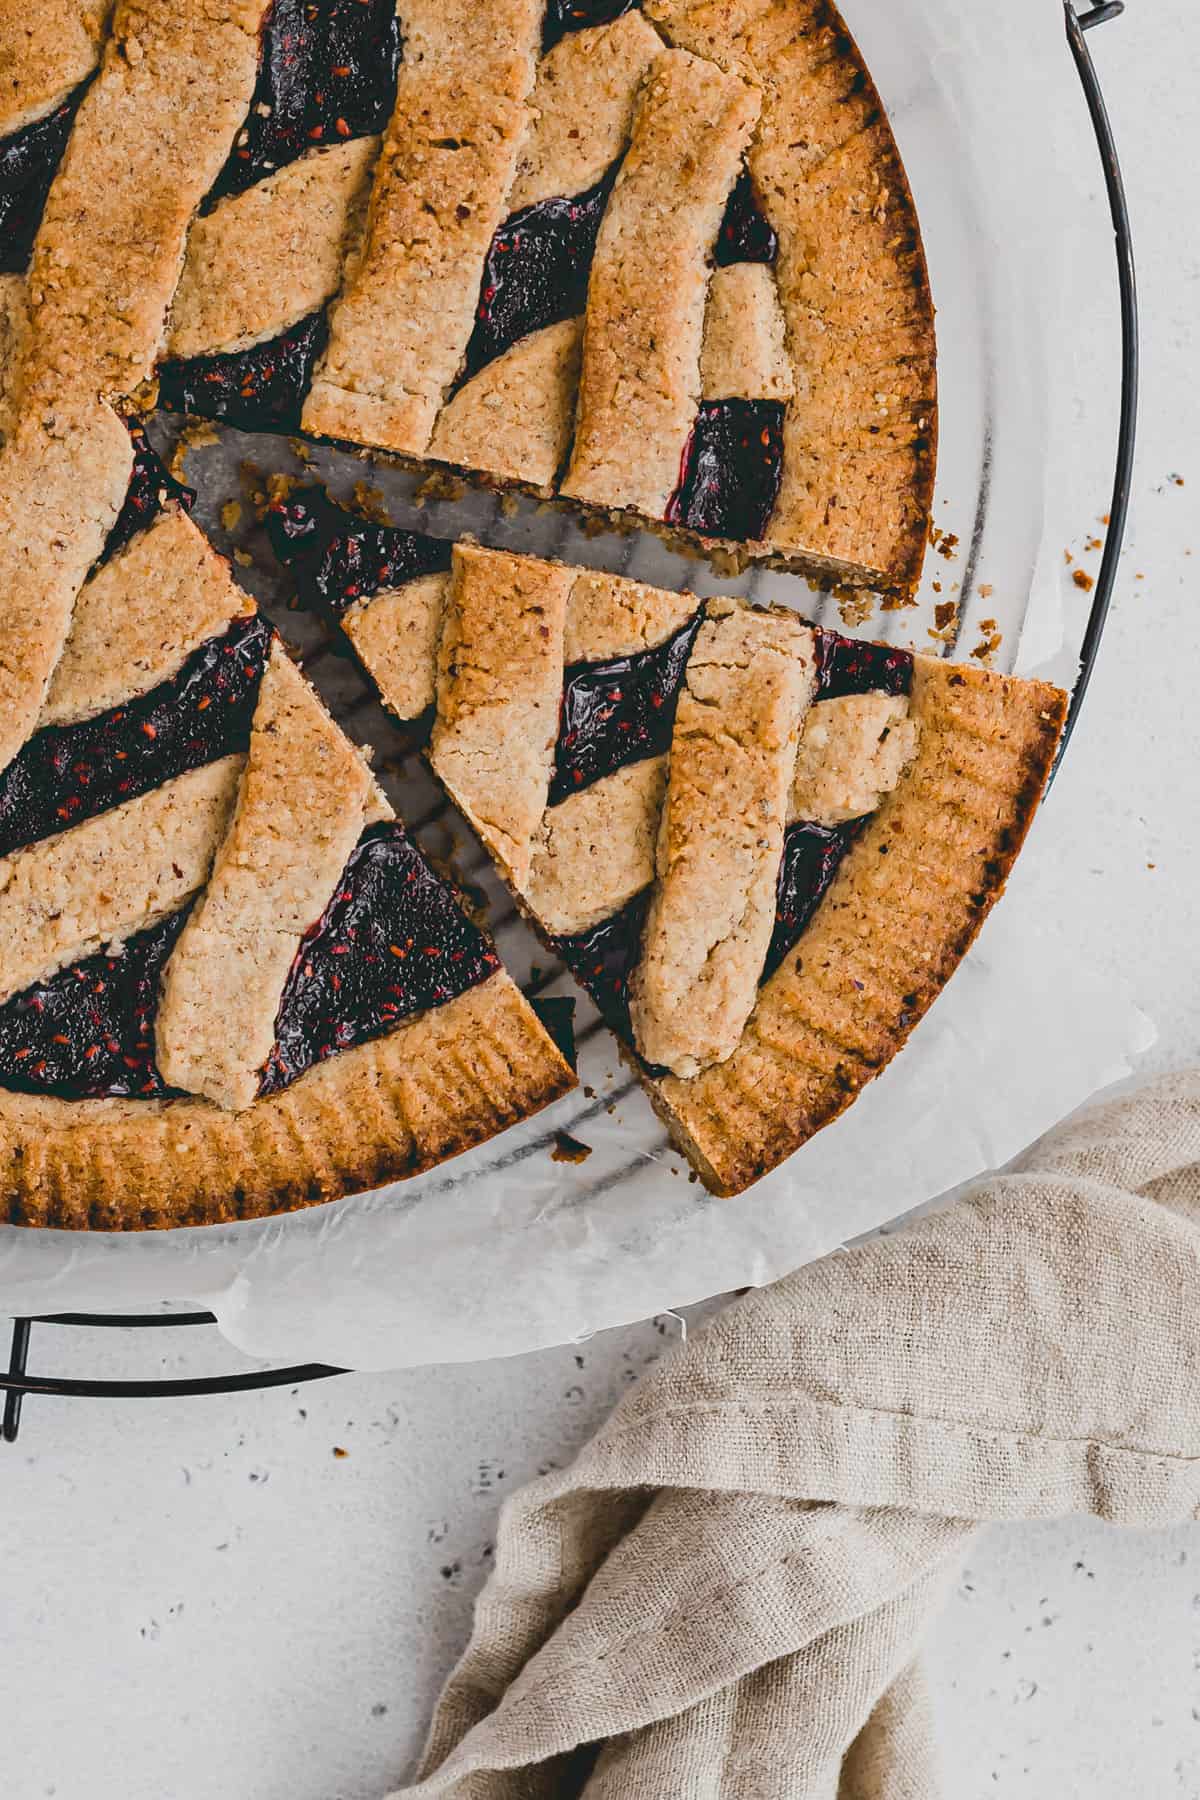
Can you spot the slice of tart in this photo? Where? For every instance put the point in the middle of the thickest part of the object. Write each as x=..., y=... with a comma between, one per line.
x=761, y=847
x=230, y=983
x=659, y=260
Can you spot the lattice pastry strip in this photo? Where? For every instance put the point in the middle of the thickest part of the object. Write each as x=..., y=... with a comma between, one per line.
x=761, y=847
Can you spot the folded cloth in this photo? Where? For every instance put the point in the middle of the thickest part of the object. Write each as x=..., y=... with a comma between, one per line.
x=723, y=1597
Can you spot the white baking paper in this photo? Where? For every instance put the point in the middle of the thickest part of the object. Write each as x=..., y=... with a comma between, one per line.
x=506, y=1249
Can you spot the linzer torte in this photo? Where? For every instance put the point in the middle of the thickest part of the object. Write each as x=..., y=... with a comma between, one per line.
x=659, y=262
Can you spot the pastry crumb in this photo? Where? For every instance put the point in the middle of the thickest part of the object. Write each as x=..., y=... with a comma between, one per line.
x=339, y=1452
x=231, y=515
x=568, y=1149
x=1083, y=580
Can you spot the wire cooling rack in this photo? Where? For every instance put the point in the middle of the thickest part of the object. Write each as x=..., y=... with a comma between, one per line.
x=19, y=1380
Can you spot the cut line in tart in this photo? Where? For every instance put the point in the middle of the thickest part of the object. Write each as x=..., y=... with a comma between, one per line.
x=761, y=847
x=660, y=261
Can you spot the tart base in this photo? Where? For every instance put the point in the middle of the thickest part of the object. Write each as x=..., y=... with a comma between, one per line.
x=440, y=1084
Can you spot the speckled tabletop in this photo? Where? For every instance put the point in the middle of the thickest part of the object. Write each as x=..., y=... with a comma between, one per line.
x=257, y=1598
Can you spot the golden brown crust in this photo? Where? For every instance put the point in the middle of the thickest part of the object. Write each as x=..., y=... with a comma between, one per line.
x=396, y=636
x=148, y=143
x=14, y=324
x=853, y=750
x=305, y=797
x=140, y=617
x=640, y=383
x=902, y=911
x=744, y=356
x=749, y=681
x=852, y=284
x=63, y=476
x=514, y=419
x=46, y=50
x=610, y=615
x=66, y=896
x=595, y=850
x=499, y=684
x=444, y=1081
x=263, y=259
x=582, y=108
x=398, y=331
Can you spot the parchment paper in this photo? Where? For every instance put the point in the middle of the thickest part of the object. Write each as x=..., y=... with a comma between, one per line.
x=506, y=1249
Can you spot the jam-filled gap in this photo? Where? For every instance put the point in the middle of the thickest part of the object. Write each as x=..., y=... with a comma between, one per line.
x=65, y=774
x=29, y=160
x=536, y=272
x=327, y=73
x=618, y=711
x=393, y=942
x=337, y=558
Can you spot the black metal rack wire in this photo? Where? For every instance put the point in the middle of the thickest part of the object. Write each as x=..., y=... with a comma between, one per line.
x=19, y=1380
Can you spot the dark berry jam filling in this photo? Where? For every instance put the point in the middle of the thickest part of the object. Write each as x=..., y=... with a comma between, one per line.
x=565, y=16
x=603, y=959
x=88, y=1031
x=732, y=464
x=393, y=941
x=337, y=558
x=151, y=488
x=557, y=1015
x=618, y=712
x=536, y=272
x=745, y=235
x=67, y=773
x=327, y=72
x=260, y=389
x=28, y=162
x=854, y=666
x=811, y=855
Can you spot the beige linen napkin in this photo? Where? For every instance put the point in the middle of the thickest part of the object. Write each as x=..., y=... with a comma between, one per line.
x=728, y=1588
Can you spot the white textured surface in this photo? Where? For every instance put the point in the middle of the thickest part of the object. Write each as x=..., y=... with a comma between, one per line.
x=200, y=1601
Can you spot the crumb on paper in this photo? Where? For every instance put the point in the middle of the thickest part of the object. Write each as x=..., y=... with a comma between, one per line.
x=441, y=486
x=1083, y=580
x=855, y=605
x=368, y=501
x=339, y=1452
x=1094, y=543
x=1177, y=479
x=986, y=590
x=568, y=1149
x=948, y=545
x=989, y=642
x=1067, y=557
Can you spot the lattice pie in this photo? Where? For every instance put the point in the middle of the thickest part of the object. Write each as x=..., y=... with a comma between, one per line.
x=657, y=261
x=761, y=847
